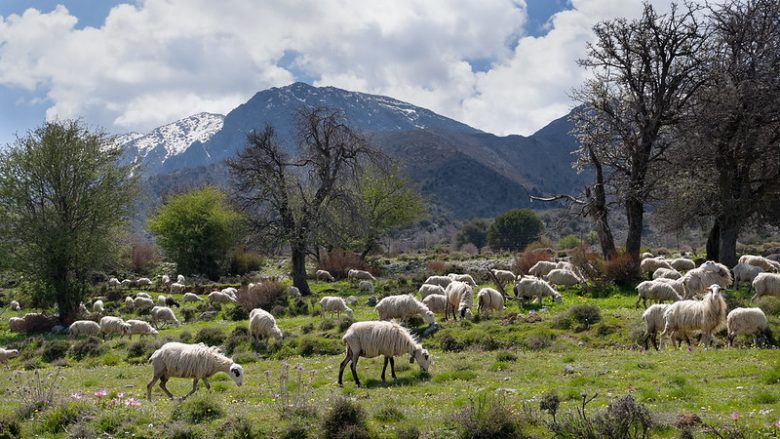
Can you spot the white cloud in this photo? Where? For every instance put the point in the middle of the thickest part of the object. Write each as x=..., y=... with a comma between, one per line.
x=165, y=59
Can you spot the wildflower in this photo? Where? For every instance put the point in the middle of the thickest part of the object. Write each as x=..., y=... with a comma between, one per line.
x=689, y=349
x=101, y=393
x=120, y=395
x=735, y=416
x=132, y=402
x=777, y=424
x=76, y=396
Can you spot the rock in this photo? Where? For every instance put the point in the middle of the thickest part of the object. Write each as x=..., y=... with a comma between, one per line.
x=506, y=390
x=208, y=315
x=351, y=300
x=568, y=369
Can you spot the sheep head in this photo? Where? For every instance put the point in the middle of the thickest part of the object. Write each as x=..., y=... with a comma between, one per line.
x=429, y=319
x=237, y=374
x=422, y=357
x=558, y=298
x=348, y=311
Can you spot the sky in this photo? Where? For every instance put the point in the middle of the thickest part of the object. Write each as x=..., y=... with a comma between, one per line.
x=503, y=66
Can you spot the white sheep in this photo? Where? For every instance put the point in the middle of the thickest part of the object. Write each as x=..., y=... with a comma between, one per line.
x=371, y=339
x=165, y=279
x=541, y=268
x=677, y=284
x=489, y=300
x=428, y=289
x=141, y=328
x=191, y=297
x=654, y=323
x=263, y=324
x=324, y=275
x=442, y=281
x=698, y=280
x=127, y=283
x=114, y=283
x=563, y=277
x=230, y=291
x=142, y=304
x=747, y=321
x=143, y=295
x=659, y=291
x=745, y=272
x=767, y=265
x=334, y=304
x=220, y=297
x=529, y=287
x=110, y=325
x=197, y=361
x=403, y=306
x=14, y=306
x=646, y=255
x=682, y=264
x=466, y=278
x=176, y=287
x=686, y=317
x=7, y=354
x=143, y=282
x=766, y=284
x=666, y=273
x=649, y=265
x=83, y=328
x=17, y=324
x=460, y=297
x=356, y=275
x=504, y=276
x=161, y=300
x=97, y=306
x=366, y=286
x=435, y=302
x=129, y=303
x=165, y=315
x=180, y=279
x=774, y=257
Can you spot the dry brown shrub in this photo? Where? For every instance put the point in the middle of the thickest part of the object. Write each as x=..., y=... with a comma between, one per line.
x=436, y=267
x=622, y=269
x=261, y=295
x=590, y=263
x=527, y=259
x=144, y=256
x=338, y=262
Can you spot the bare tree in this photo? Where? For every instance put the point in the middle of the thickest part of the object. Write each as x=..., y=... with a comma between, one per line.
x=285, y=197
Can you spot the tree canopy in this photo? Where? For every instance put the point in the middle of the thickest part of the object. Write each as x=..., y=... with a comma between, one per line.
x=514, y=230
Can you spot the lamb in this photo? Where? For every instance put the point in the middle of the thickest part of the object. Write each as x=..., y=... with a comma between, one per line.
x=165, y=315
x=745, y=272
x=334, y=304
x=428, y=289
x=14, y=306
x=686, y=317
x=129, y=303
x=263, y=324
x=7, y=354
x=180, y=279
x=366, y=286
x=114, y=283
x=83, y=328
x=220, y=297
x=697, y=281
x=651, y=290
x=747, y=321
x=324, y=275
x=356, y=275
x=529, y=287
x=161, y=300
x=196, y=361
x=489, y=299
x=541, y=268
x=97, y=306
x=371, y=339
x=466, y=278
x=767, y=265
x=766, y=284
x=176, y=287
x=142, y=304
x=110, y=325
x=666, y=273
x=649, y=265
x=435, y=302
x=504, y=276
x=403, y=306
x=141, y=328
x=17, y=324
x=442, y=281
x=563, y=277
x=143, y=282
x=654, y=323
x=460, y=296
x=682, y=264
x=191, y=297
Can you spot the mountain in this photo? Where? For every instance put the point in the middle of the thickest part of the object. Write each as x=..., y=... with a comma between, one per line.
x=469, y=172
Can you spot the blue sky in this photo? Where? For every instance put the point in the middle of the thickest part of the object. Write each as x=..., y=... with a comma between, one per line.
x=504, y=66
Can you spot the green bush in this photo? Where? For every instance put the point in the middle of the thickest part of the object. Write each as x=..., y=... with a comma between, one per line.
x=88, y=347
x=407, y=433
x=389, y=413
x=345, y=419
x=9, y=428
x=514, y=230
x=770, y=305
x=197, y=409
x=506, y=356
x=242, y=261
x=568, y=242
x=210, y=336
x=487, y=418
x=585, y=315
x=57, y=419
x=238, y=428
x=181, y=430
x=54, y=350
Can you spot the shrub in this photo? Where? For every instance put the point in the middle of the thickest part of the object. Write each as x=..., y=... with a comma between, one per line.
x=623, y=418
x=210, y=336
x=770, y=305
x=436, y=267
x=54, y=350
x=514, y=230
x=550, y=403
x=487, y=418
x=506, y=356
x=389, y=414
x=237, y=313
x=585, y=315
x=185, y=336
x=407, y=433
x=143, y=256
x=568, y=242
x=622, y=270
x=181, y=430
x=262, y=295
x=38, y=323
x=9, y=428
x=57, y=419
x=140, y=348
x=242, y=261
x=338, y=262
x=590, y=264
x=238, y=428
x=345, y=419
x=295, y=430
x=197, y=409
x=88, y=347
x=527, y=259
x=189, y=314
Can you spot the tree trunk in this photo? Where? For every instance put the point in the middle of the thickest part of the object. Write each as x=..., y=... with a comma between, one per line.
x=599, y=210
x=299, y=269
x=634, y=212
x=713, y=242
x=727, y=244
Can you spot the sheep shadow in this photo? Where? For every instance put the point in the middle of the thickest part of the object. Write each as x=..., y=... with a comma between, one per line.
x=373, y=383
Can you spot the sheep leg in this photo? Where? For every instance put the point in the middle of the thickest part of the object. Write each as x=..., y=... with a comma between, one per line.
x=384, y=367
x=343, y=365
x=206, y=382
x=392, y=367
x=194, y=388
x=163, y=381
x=353, y=367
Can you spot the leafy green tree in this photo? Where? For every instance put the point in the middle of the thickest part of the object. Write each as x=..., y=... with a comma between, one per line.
x=64, y=206
x=473, y=232
x=514, y=230
x=197, y=230
x=568, y=241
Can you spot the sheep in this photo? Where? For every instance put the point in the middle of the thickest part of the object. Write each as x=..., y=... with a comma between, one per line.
x=356, y=275
x=180, y=279
x=460, y=296
x=294, y=292
x=114, y=283
x=466, y=278
x=141, y=328
x=170, y=301
x=666, y=273
x=14, y=306
x=230, y=291
x=371, y=339
x=563, y=277
x=334, y=304
x=649, y=265
x=774, y=257
x=767, y=265
x=403, y=306
x=745, y=272
x=17, y=324
x=747, y=321
x=143, y=295
x=697, y=281
x=263, y=324
x=682, y=264
x=165, y=315
x=176, y=287
x=161, y=300
x=143, y=282
x=129, y=303
x=324, y=275
x=220, y=297
x=97, y=306
x=366, y=286
x=654, y=323
x=651, y=290
x=435, y=302
x=142, y=304
x=428, y=289
x=529, y=287
x=647, y=255
x=165, y=279
x=766, y=284
x=685, y=317
x=541, y=268
x=442, y=281
x=110, y=325
x=196, y=361
x=677, y=284
x=7, y=354
x=81, y=328
x=489, y=299
x=191, y=297
x=566, y=265
x=504, y=276
x=127, y=283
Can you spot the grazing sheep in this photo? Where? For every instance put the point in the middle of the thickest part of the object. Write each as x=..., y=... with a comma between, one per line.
x=165, y=279
x=466, y=278
x=489, y=300
x=366, y=286
x=110, y=325
x=143, y=295
x=654, y=323
x=767, y=265
x=745, y=272
x=129, y=303
x=262, y=324
x=403, y=306
x=428, y=289
x=230, y=291
x=566, y=265
x=371, y=339
x=747, y=321
x=165, y=315
x=529, y=287
x=766, y=284
x=541, y=268
x=220, y=297
x=677, y=284
x=14, y=306
x=114, y=283
x=682, y=264
x=143, y=282
x=127, y=283
x=196, y=361
x=324, y=275
x=7, y=354
x=97, y=306
x=142, y=304
x=17, y=324
x=170, y=301
x=647, y=255
x=666, y=273
x=659, y=291
x=161, y=300
x=442, y=281
x=176, y=287
x=356, y=275
x=83, y=328
x=698, y=280
x=504, y=276
x=351, y=300
x=435, y=302
x=649, y=265
x=686, y=317
x=563, y=277
x=141, y=328
x=334, y=304
x=460, y=297
x=180, y=279
x=191, y=297
x=774, y=257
